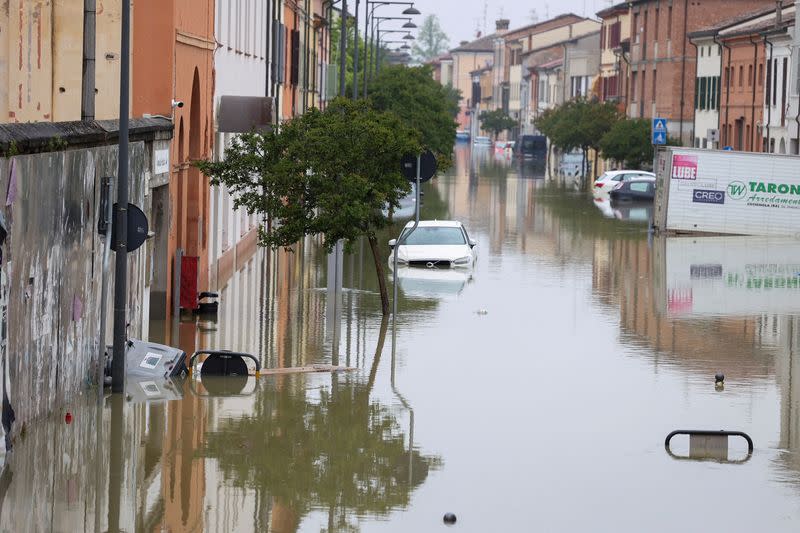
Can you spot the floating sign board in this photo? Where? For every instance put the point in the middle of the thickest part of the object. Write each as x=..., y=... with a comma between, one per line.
x=659, y=131
x=722, y=192
x=730, y=276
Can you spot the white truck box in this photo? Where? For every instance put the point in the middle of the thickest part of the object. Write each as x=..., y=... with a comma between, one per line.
x=726, y=192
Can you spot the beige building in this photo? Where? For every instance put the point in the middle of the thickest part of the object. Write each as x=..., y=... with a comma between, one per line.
x=467, y=58
x=41, y=60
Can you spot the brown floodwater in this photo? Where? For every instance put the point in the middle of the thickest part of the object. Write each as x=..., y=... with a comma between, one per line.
x=533, y=393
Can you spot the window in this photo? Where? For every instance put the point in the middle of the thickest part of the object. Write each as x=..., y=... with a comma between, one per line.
x=750, y=75
x=655, y=30
x=636, y=27
x=655, y=84
x=433, y=235
x=768, y=92
x=640, y=186
x=741, y=76
x=614, y=35
x=774, y=81
x=669, y=23
x=635, y=87
x=644, y=37
x=783, y=90
x=644, y=85
x=702, y=49
x=761, y=74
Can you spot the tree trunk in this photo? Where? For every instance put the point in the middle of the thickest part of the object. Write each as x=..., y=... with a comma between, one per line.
x=376, y=256
x=596, y=157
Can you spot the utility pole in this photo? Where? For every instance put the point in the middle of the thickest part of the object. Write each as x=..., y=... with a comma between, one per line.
x=121, y=210
x=88, y=78
x=355, y=53
x=343, y=49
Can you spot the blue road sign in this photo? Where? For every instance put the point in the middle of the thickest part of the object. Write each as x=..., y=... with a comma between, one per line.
x=659, y=131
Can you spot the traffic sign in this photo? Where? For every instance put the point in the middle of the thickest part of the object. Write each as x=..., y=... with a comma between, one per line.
x=659, y=131
x=138, y=229
x=428, y=165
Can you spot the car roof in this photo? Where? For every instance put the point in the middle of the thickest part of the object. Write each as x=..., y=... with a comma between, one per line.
x=642, y=178
x=618, y=172
x=436, y=223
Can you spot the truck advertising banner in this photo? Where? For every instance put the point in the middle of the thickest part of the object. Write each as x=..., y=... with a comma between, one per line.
x=726, y=192
x=730, y=276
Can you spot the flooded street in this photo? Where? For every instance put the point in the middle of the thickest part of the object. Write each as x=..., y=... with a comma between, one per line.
x=533, y=393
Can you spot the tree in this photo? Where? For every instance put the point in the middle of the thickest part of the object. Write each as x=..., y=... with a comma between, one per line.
x=431, y=40
x=422, y=103
x=628, y=141
x=496, y=121
x=579, y=123
x=323, y=173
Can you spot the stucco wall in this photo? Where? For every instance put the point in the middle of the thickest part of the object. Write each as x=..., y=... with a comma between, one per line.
x=52, y=261
x=41, y=54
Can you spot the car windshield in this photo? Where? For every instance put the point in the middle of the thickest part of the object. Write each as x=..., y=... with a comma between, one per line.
x=432, y=235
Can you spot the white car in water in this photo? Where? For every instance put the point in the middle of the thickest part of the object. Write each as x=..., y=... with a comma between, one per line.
x=610, y=179
x=435, y=244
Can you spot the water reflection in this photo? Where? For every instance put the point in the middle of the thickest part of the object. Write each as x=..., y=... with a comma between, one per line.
x=590, y=351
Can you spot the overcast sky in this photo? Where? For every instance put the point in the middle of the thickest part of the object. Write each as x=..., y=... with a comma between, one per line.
x=461, y=18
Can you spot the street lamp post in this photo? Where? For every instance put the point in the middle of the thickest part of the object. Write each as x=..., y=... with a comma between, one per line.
x=407, y=37
x=367, y=57
x=369, y=23
x=343, y=48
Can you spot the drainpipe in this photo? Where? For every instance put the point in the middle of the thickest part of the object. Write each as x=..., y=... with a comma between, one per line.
x=753, y=104
x=769, y=107
x=694, y=117
x=719, y=97
x=683, y=67
x=727, y=88
x=88, y=79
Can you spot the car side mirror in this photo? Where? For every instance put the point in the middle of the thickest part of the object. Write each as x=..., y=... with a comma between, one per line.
x=392, y=243
x=473, y=243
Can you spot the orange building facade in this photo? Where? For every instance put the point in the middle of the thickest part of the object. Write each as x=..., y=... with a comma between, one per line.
x=173, y=75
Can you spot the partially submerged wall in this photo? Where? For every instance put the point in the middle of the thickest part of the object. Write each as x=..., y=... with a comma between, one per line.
x=52, y=258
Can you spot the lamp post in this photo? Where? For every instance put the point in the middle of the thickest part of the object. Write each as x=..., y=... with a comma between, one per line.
x=369, y=25
x=407, y=37
x=343, y=48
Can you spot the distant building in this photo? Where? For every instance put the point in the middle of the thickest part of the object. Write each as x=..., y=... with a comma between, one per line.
x=615, y=39
x=742, y=82
x=662, y=60
x=183, y=43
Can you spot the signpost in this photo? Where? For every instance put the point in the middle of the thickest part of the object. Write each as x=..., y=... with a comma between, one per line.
x=419, y=169
x=659, y=131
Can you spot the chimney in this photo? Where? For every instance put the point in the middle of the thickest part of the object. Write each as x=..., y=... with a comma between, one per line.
x=778, y=13
x=501, y=25
x=463, y=43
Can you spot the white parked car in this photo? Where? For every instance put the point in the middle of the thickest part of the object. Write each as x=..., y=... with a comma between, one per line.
x=435, y=244
x=609, y=180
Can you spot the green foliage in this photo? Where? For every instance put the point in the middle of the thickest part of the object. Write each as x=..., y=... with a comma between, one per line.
x=364, y=58
x=628, y=141
x=453, y=97
x=325, y=172
x=579, y=123
x=11, y=150
x=422, y=103
x=431, y=40
x=496, y=121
